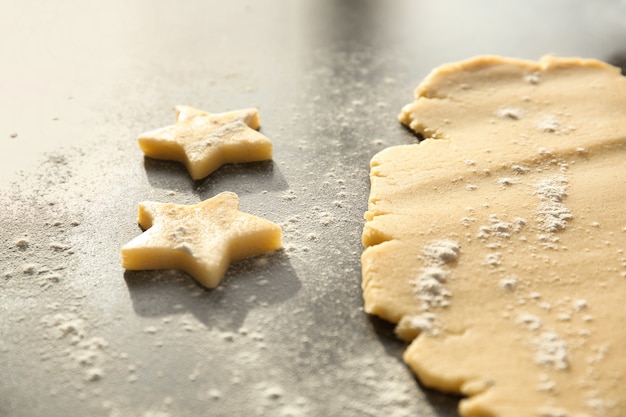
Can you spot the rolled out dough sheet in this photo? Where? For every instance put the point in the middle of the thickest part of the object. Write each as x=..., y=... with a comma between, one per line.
x=497, y=243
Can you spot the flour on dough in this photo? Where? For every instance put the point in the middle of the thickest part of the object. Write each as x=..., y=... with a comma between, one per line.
x=519, y=182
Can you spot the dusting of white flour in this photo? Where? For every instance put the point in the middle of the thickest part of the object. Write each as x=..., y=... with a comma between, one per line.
x=552, y=214
x=551, y=351
x=429, y=283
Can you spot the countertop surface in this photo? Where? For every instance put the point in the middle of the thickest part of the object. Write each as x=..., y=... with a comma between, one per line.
x=285, y=333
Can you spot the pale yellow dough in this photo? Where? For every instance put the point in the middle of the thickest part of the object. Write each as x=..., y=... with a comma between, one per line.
x=497, y=243
x=203, y=141
x=200, y=239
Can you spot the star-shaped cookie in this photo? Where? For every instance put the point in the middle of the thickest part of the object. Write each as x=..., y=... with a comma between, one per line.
x=200, y=239
x=203, y=141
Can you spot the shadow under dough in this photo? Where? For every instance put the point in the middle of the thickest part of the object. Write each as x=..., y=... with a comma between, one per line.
x=445, y=404
x=259, y=281
x=240, y=178
x=619, y=60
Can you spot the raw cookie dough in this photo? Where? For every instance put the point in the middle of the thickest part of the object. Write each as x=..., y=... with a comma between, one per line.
x=497, y=243
x=200, y=239
x=203, y=142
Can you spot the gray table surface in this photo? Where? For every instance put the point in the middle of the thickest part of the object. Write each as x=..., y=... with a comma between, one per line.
x=285, y=334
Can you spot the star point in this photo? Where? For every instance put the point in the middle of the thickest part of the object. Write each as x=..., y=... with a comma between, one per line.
x=203, y=141
x=200, y=239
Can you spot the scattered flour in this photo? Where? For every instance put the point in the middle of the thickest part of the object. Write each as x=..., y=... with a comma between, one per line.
x=493, y=260
x=289, y=195
x=441, y=251
x=507, y=181
x=549, y=124
x=552, y=214
x=428, y=285
x=430, y=289
x=510, y=113
x=88, y=353
x=410, y=326
x=533, y=78
x=65, y=326
x=151, y=330
x=530, y=321
x=214, y=394
x=551, y=350
x=391, y=391
x=599, y=405
x=275, y=400
x=520, y=169
x=500, y=228
x=508, y=284
x=545, y=383
x=580, y=304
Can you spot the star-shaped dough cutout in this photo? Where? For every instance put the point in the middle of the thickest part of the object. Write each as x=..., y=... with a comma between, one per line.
x=203, y=141
x=200, y=239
